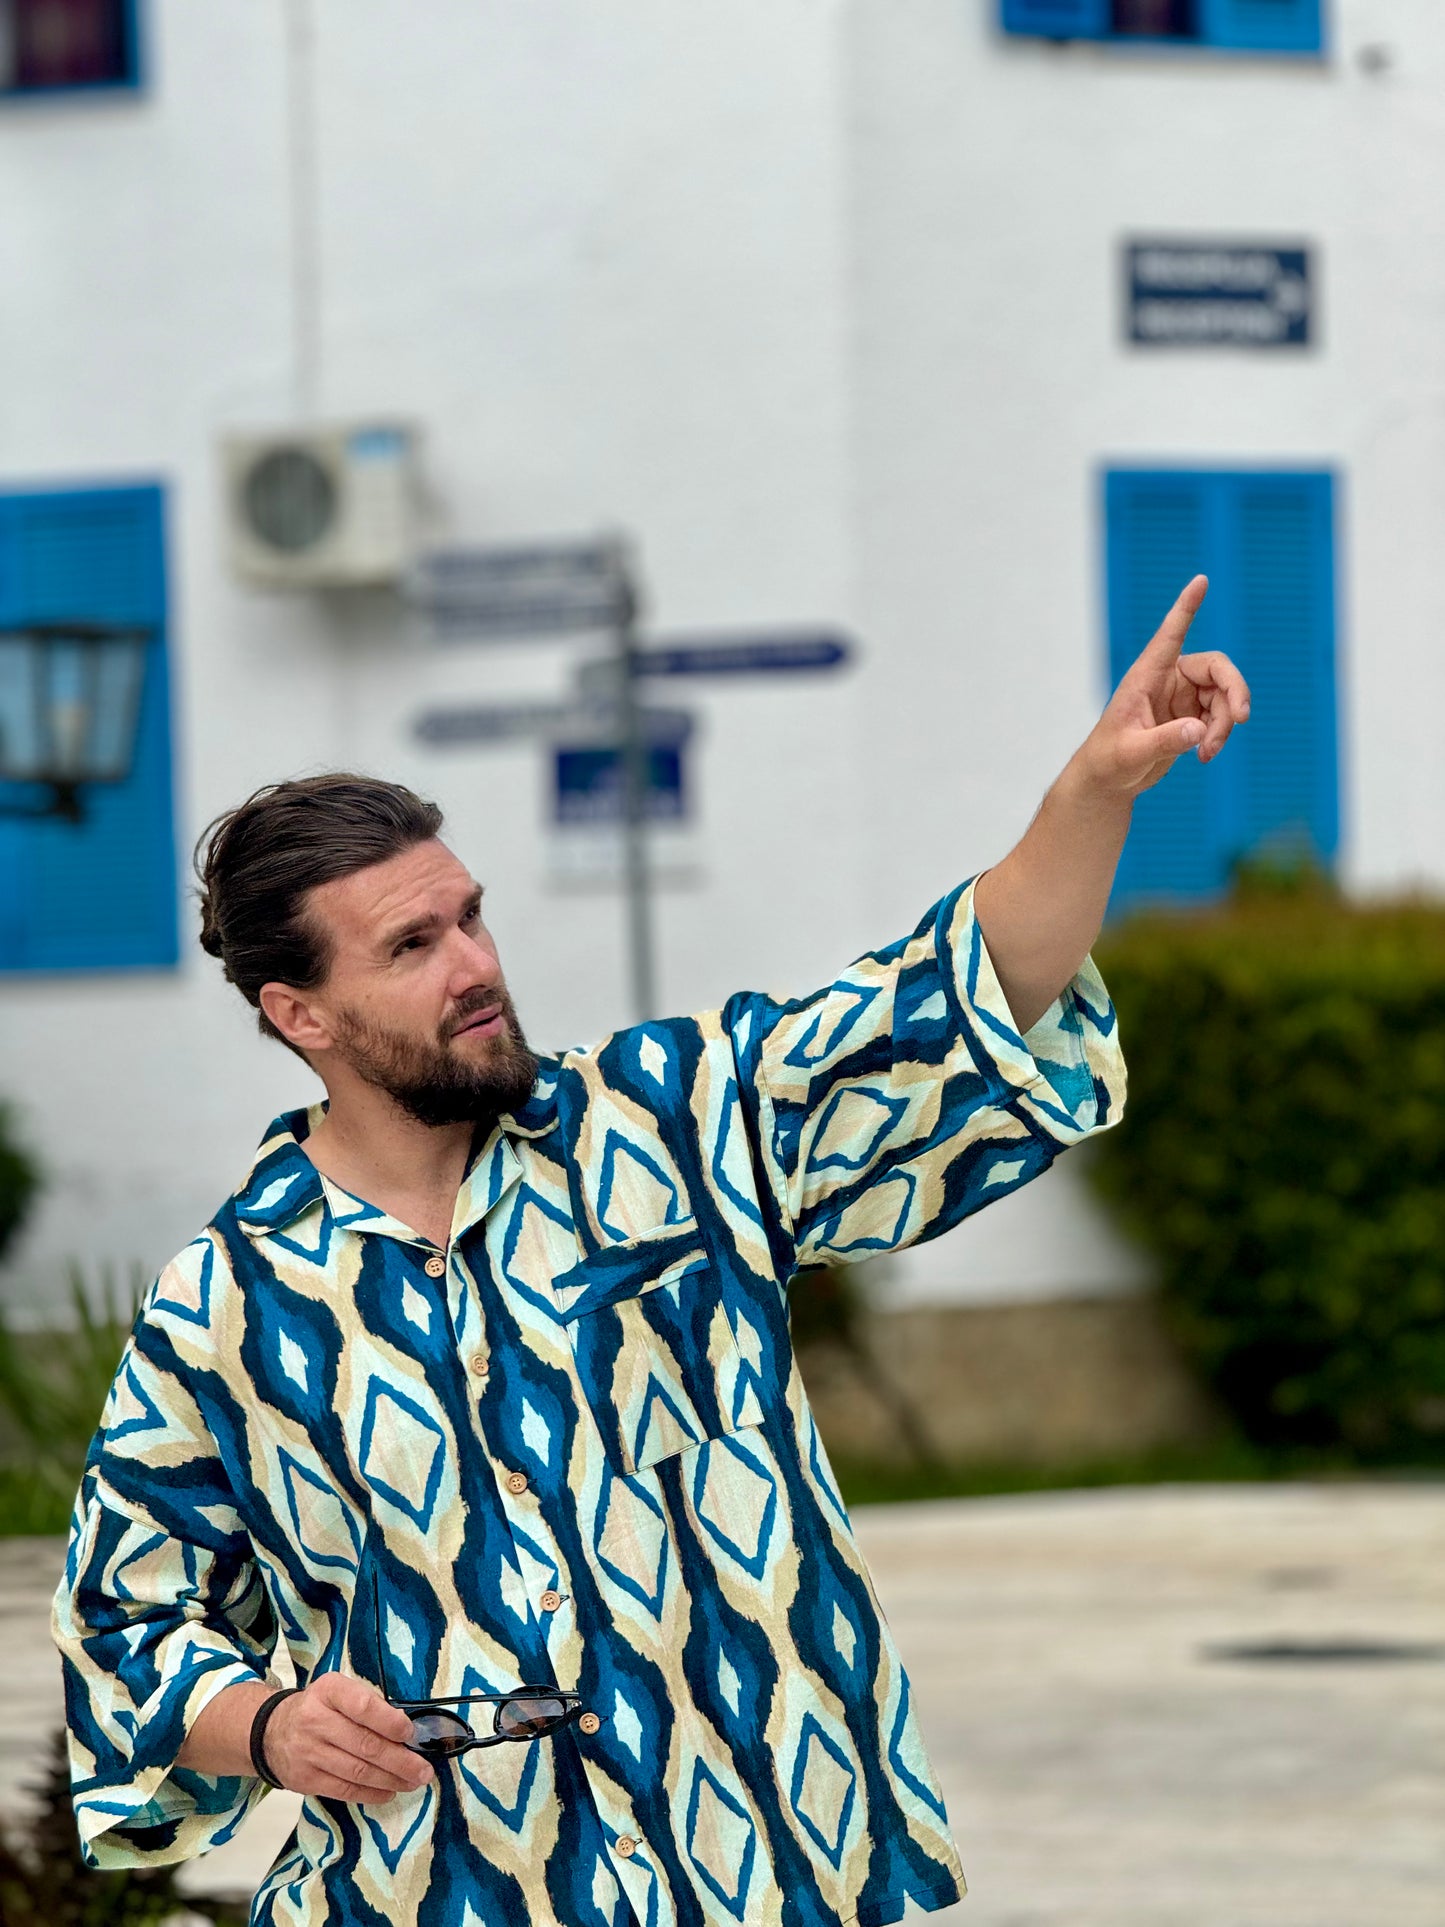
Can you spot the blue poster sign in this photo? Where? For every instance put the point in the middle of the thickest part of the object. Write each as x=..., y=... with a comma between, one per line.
x=587, y=790
x=1208, y=294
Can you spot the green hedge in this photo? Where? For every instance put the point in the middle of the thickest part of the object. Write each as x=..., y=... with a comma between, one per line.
x=1282, y=1155
x=19, y=1180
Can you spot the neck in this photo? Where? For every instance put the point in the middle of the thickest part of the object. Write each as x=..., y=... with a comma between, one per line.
x=371, y=1147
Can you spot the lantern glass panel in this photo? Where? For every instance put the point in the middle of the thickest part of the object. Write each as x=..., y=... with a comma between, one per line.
x=118, y=673
x=22, y=731
x=69, y=704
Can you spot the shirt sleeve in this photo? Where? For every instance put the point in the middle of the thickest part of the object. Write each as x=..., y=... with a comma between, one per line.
x=901, y=1098
x=160, y=1609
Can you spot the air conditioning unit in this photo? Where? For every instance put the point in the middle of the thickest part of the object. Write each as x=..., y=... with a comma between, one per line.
x=324, y=507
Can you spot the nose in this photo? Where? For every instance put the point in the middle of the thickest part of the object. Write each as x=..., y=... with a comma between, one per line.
x=474, y=964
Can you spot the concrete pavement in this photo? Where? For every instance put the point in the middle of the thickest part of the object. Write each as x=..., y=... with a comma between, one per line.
x=1112, y=1754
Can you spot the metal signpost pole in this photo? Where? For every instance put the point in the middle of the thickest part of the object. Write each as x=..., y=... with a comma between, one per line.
x=633, y=757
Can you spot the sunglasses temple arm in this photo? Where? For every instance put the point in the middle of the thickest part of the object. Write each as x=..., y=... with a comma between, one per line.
x=386, y=1692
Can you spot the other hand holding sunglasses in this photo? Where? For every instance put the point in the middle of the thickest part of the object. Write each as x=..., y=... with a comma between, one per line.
x=438, y=1733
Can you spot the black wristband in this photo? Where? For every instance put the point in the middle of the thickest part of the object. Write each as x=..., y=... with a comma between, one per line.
x=258, y=1733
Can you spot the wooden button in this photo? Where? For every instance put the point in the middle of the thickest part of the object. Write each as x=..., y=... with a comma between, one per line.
x=435, y=1267
x=480, y=1364
x=516, y=1482
x=550, y=1601
x=589, y=1722
x=627, y=1846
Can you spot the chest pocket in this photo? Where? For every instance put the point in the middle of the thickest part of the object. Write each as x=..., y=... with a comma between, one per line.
x=655, y=1351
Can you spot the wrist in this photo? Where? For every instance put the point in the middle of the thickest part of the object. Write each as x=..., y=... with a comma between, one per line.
x=263, y=1735
x=1090, y=785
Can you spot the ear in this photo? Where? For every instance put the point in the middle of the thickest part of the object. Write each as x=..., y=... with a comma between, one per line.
x=297, y=1017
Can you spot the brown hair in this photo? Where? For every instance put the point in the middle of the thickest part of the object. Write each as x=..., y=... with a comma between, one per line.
x=257, y=863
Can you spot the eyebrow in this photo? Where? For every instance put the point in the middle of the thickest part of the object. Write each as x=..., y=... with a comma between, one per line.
x=433, y=920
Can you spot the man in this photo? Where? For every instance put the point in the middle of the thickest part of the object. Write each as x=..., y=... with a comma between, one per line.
x=479, y=1390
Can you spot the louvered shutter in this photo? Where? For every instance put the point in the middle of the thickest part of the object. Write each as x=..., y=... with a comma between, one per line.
x=1280, y=580
x=1161, y=531
x=1268, y=26
x=102, y=894
x=1266, y=542
x=1057, y=19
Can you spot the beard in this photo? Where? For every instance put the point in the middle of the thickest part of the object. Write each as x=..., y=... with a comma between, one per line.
x=429, y=1078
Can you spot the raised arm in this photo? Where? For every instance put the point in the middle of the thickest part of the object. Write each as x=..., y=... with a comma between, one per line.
x=1042, y=907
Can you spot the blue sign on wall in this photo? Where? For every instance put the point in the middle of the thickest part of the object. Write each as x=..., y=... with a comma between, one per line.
x=1206, y=294
x=587, y=789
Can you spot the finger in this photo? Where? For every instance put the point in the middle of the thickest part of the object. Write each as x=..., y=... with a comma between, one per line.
x=1163, y=650
x=333, y=1786
x=1216, y=671
x=376, y=1755
x=362, y=1704
x=342, y=1764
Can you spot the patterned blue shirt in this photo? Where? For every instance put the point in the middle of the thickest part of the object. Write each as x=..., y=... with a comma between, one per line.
x=572, y=1448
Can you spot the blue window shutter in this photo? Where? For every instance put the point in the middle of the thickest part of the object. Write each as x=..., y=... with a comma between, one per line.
x=1161, y=531
x=102, y=894
x=1265, y=26
x=1266, y=541
x=1280, y=584
x=1057, y=19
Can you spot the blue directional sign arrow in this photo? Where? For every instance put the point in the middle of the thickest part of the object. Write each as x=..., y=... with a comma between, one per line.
x=743, y=655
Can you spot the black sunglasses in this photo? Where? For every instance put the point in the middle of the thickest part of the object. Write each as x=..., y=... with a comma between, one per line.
x=526, y=1713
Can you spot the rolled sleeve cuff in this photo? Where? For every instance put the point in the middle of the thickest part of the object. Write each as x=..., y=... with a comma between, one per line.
x=153, y=1812
x=1066, y=1074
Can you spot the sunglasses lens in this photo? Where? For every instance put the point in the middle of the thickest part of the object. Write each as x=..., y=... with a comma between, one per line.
x=522, y=1719
x=439, y=1734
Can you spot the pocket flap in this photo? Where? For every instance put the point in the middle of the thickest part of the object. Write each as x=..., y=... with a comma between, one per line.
x=627, y=1270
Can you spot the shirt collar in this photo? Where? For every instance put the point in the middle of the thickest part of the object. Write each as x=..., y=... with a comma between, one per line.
x=283, y=1183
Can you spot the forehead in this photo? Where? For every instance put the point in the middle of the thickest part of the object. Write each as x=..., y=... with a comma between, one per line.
x=423, y=879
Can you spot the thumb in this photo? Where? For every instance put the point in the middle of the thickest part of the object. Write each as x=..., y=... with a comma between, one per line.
x=1174, y=739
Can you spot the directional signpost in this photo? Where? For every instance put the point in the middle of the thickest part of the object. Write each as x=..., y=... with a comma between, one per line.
x=784, y=653
x=516, y=722
x=494, y=594
x=532, y=590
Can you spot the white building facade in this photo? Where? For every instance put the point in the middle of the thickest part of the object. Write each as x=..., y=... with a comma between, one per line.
x=827, y=304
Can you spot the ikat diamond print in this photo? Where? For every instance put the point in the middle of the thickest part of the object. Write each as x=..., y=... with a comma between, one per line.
x=582, y=1455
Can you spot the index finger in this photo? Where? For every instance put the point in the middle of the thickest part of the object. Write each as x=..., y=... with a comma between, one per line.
x=366, y=1707
x=1163, y=650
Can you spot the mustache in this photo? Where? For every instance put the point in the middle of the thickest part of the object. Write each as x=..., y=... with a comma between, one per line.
x=472, y=1004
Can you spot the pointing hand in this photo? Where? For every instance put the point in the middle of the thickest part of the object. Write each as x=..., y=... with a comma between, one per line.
x=1167, y=704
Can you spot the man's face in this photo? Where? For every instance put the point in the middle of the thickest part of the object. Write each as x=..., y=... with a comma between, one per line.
x=415, y=1000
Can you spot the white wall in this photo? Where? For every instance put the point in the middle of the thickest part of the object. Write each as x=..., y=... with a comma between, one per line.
x=991, y=184
x=598, y=255
x=817, y=297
